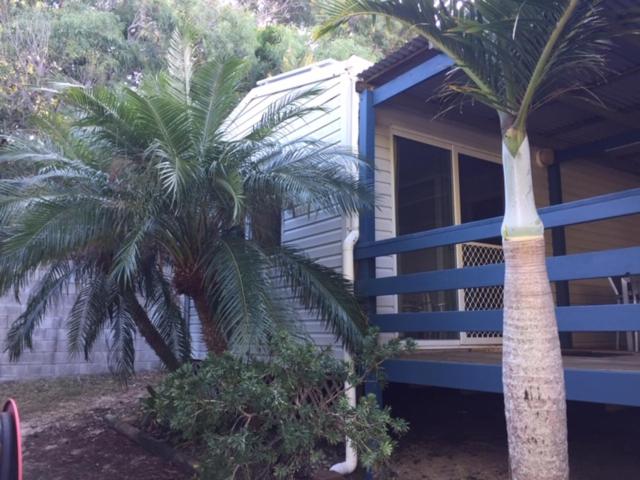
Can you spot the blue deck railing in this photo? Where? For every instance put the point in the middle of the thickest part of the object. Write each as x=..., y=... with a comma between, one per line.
x=593, y=318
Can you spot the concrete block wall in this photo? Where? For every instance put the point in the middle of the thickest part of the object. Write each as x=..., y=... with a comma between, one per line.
x=50, y=356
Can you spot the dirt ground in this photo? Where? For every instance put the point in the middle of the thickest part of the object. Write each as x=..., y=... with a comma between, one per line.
x=454, y=435
x=66, y=437
x=461, y=436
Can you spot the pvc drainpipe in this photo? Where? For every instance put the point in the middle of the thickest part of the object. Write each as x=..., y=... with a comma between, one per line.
x=351, y=456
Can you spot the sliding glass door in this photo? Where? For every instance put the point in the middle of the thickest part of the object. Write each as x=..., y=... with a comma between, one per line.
x=425, y=201
x=437, y=187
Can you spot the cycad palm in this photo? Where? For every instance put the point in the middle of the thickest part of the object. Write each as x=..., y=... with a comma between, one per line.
x=187, y=206
x=516, y=55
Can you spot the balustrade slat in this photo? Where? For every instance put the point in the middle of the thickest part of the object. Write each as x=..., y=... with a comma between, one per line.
x=571, y=213
x=606, y=263
x=579, y=318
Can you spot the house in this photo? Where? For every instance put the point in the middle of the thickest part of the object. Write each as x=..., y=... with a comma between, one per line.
x=429, y=258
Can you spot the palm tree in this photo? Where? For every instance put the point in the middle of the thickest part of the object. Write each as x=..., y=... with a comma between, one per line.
x=179, y=203
x=516, y=55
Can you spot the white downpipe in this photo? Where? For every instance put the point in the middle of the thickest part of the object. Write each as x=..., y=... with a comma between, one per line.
x=351, y=456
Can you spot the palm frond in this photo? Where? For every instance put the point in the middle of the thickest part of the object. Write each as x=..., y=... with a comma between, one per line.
x=240, y=289
x=180, y=67
x=126, y=259
x=310, y=176
x=122, y=352
x=52, y=228
x=89, y=314
x=47, y=292
x=166, y=124
x=324, y=292
x=512, y=52
x=167, y=316
x=215, y=93
x=277, y=119
x=109, y=117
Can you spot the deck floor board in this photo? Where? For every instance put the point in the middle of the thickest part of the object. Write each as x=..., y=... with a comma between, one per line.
x=576, y=359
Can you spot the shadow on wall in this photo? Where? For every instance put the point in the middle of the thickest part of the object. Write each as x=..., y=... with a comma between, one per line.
x=50, y=356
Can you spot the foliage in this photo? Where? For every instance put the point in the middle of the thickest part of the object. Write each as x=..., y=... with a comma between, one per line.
x=77, y=43
x=87, y=45
x=280, y=48
x=286, y=12
x=116, y=41
x=272, y=418
x=24, y=64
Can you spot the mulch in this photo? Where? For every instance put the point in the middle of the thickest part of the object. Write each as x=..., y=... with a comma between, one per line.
x=91, y=450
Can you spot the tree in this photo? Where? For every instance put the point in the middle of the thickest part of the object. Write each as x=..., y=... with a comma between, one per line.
x=88, y=45
x=76, y=42
x=177, y=197
x=113, y=42
x=24, y=63
x=516, y=56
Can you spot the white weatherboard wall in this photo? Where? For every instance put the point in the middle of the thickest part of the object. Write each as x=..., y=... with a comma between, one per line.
x=50, y=356
x=318, y=234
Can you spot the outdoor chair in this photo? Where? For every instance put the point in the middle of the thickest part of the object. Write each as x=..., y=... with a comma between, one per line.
x=627, y=291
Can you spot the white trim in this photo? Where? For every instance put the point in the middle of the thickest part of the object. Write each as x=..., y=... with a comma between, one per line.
x=459, y=146
x=307, y=76
x=297, y=71
x=310, y=74
x=395, y=131
x=457, y=219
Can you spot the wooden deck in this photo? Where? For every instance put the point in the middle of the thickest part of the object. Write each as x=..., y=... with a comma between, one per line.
x=573, y=359
x=595, y=376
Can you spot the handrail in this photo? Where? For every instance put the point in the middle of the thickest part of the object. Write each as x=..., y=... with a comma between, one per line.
x=592, y=209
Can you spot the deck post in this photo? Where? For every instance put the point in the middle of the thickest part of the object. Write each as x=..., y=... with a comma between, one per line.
x=559, y=243
x=366, y=269
x=366, y=148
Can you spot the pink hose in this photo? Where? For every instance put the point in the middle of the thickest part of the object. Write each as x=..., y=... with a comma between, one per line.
x=11, y=407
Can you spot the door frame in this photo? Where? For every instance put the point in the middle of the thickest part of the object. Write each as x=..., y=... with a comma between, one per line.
x=456, y=149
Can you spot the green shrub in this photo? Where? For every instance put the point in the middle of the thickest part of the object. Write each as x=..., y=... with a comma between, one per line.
x=274, y=418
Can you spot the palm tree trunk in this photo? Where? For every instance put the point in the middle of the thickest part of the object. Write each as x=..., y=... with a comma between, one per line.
x=532, y=374
x=213, y=337
x=151, y=334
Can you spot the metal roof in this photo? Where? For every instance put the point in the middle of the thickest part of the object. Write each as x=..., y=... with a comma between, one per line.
x=412, y=52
